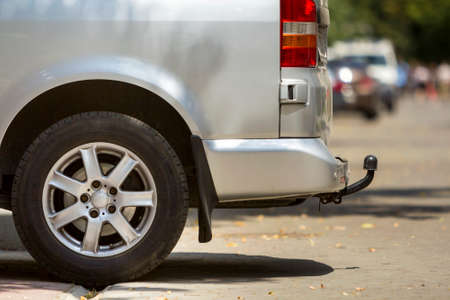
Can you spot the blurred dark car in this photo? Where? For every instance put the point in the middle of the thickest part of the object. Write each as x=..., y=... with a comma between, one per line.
x=353, y=88
x=380, y=69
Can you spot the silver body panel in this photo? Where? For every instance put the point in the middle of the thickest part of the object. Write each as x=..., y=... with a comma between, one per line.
x=216, y=62
x=313, y=117
x=205, y=57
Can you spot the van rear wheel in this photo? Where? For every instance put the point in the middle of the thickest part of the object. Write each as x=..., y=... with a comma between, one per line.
x=100, y=198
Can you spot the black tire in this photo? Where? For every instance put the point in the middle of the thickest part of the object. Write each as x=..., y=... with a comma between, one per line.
x=391, y=105
x=390, y=101
x=370, y=114
x=158, y=156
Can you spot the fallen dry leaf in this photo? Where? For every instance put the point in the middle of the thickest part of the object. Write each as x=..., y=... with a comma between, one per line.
x=304, y=216
x=312, y=287
x=358, y=289
x=396, y=225
x=260, y=218
x=265, y=237
x=339, y=245
x=239, y=224
x=340, y=228
x=368, y=226
x=322, y=286
x=244, y=239
x=275, y=236
x=372, y=250
x=344, y=294
x=270, y=293
x=169, y=292
x=232, y=245
x=302, y=227
x=311, y=242
x=91, y=294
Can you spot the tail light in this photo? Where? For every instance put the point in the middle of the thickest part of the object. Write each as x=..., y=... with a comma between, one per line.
x=338, y=86
x=298, y=33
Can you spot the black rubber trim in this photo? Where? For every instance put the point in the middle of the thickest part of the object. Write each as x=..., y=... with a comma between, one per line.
x=269, y=203
x=207, y=192
x=5, y=201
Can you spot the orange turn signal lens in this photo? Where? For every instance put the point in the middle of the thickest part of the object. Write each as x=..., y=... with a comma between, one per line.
x=291, y=41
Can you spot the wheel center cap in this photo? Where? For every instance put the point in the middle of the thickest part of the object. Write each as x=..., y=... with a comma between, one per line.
x=100, y=199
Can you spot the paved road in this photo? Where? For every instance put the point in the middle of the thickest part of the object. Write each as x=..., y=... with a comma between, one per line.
x=388, y=242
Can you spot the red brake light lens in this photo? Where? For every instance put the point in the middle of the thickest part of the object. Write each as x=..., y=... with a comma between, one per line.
x=298, y=11
x=300, y=57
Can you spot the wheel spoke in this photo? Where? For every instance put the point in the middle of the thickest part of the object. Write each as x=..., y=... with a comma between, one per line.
x=67, y=215
x=135, y=199
x=121, y=171
x=66, y=184
x=124, y=228
x=92, y=236
x=90, y=162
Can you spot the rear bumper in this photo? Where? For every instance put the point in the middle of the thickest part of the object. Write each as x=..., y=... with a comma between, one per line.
x=247, y=169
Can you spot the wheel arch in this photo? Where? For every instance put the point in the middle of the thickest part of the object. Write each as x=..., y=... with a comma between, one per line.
x=76, y=97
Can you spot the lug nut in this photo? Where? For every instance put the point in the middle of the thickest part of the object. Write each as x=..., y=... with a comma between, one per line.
x=96, y=184
x=111, y=209
x=113, y=191
x=94, y=213
x=84, y=198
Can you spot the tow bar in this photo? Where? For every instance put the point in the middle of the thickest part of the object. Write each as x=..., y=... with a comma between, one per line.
x=370, y=164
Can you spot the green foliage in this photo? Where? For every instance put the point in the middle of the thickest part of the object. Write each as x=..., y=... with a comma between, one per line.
x=420, y=29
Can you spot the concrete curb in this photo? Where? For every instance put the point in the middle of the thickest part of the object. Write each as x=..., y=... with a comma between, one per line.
x=74, y=293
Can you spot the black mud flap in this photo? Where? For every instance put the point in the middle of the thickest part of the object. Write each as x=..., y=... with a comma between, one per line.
x=207, y=192
x=5, y=201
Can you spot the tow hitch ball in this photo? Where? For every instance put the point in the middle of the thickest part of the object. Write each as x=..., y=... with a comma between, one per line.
x=370, y=164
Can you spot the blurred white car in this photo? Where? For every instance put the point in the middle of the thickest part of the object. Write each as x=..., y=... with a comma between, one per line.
x=381, y=60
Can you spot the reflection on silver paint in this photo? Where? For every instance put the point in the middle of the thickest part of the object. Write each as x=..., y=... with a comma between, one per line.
x=204, y=57
x=271, y=168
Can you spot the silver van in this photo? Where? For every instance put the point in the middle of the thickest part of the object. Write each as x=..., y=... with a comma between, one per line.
x=116, y=116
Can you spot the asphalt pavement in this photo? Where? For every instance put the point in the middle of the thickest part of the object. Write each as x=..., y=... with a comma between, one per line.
x=390, y=241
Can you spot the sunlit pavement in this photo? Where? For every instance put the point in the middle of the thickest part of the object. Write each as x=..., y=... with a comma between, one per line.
x=388, y=242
